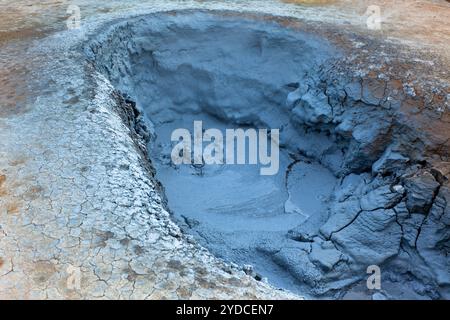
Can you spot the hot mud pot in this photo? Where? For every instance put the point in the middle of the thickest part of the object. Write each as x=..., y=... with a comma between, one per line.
x=356, y=187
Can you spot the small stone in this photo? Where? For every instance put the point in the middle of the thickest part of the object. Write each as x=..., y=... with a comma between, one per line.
x=421, y=191
x=399, y=189
x=390, y=162
x=248, y=269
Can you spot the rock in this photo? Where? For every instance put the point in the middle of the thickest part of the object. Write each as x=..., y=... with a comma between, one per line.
x=248, y=269
x=301, y=233
x=399, y=189
x=372, y=238
x=379, y=198
x=390, y=162
x=402, y=212
x=270, y=247
x=421, y=190
x=296, y=261
x=369, y=135
x=350, y=187
x=411, y=227
x=325, y=255
x=433, y=242
x=344, y=213
x=295, y=96
x=313, y=108
x=441, y=171
x=373, y=91
x=354, y=91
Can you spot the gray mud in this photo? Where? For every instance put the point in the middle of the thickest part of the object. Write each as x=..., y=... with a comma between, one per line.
x=352, y=189
x=230, y=79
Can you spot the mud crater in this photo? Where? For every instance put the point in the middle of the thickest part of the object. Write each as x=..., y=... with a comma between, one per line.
x=340, y=201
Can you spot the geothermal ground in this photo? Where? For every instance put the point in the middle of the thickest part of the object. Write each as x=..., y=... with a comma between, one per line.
x=92, y=206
